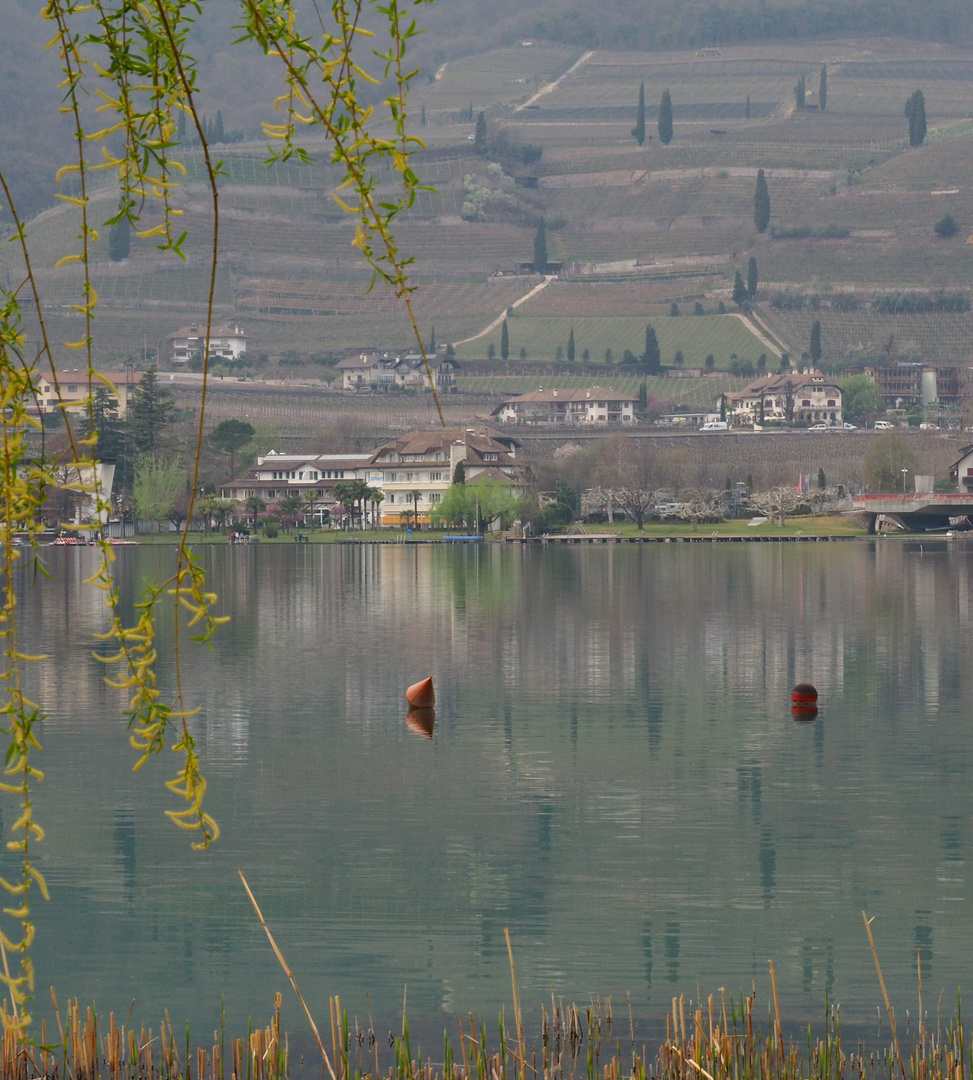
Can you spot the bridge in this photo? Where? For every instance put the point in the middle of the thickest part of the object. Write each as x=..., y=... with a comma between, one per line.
x=917, y=513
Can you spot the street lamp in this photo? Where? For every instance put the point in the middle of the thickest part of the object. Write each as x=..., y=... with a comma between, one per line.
x=904, y=471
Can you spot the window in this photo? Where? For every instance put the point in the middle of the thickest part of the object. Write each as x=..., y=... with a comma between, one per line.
x=390, y=497
x=806, y=402
x=434, y=497
x=831, y=403
x=435, y=476
x=491, y=457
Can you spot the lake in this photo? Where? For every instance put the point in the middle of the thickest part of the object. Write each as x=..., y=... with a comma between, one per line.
x=615, y=776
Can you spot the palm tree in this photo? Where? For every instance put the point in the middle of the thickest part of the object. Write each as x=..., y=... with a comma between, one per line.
x=415, y=496
x=375, y=497
x=254, y=506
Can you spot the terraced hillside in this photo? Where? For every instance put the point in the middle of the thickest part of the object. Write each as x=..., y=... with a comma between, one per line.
x=635, y=227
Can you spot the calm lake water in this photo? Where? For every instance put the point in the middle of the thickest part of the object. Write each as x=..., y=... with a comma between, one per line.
x=615, y=776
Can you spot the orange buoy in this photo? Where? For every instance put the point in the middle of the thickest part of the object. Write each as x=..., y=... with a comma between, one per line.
x=804, y=695
x=421, y=694
x=421, y=719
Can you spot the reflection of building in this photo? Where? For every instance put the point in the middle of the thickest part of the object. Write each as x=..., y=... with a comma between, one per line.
x=425, y=462
x=225, y=343
x=596, y=405
x=802, y=398
x=76, y=390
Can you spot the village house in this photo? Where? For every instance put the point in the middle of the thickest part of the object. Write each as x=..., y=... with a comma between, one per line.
x=311, y=476
x=187, y=343
x=425, y=462
x=375, y=372
x=596, y=405
x=961, y=471
x=75, y=390
x=800, y=397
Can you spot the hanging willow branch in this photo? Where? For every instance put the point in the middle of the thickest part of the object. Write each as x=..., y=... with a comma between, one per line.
x=132, y=59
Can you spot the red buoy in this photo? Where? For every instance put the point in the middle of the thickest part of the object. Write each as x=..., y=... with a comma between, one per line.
x=804, y=695
x=421, y=694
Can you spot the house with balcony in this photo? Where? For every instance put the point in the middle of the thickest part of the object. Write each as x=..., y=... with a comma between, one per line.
x=424, y=462
x=311, y=476
x=790, y=397
x=596, y=405
x=188, y=343
x=381, y=372
x=961, y=471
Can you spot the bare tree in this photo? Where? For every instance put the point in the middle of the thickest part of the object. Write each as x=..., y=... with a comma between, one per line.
x=698, y=503
x=776, y=502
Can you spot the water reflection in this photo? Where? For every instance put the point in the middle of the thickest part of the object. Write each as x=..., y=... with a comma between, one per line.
x=615, y=776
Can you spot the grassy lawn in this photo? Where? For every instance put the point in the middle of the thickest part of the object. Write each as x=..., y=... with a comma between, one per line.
x=695, y=336
x=803, y=525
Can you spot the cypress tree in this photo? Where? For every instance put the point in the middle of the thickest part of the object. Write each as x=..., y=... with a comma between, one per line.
x=746, y=108
x=120, y=240
x=822, y=480
x=739, y=289
x=915, y=112
x=504, y=341
x=422, y=116
x=652, y=356
x=432, y=341
x=639, y=130
x=752, y=277
x=823, y=88
x=540, y=248
x=218, y=133
x=800, y=92
x=459, y=473
x=723, y=408
x=761, y=203
x=480, y=135
x=571, y=345
x=643, y=396
x=814, y=346
x=665, y=118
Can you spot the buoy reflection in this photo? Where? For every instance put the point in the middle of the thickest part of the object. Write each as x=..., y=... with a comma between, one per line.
x=421, y=719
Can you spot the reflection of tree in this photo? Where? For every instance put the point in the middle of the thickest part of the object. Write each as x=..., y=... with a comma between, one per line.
x=776, y=502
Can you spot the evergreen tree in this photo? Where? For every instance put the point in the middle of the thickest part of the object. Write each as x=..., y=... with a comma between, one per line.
x=218, y=134
x=915, y=112
x=739, y=289
x=480, y=134
x=639, y=130
x=230, y=436
x=422, y=116
x=491, y=351
x=814, y=346
x=540, y=248
x=459, y=473
x=450, y=350
x=665, y=118
x=571, y=345
x=800, y=92
x=120, y=240
x=822, y=480
x=643, y=396
x=150, y=409
x=432, y=341
x=504, y=341
x=761, y=203
x=746, y=108
x=752, y=277
x=823, y=88
x=723, y=408
x=652, y=355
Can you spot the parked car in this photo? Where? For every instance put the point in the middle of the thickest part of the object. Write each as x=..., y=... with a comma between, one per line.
x=715, y=425
x=884, y=425
x=928, y=427
x=820, y=427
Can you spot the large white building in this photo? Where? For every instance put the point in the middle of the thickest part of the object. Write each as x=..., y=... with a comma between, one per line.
x=801, y=398
x=596, y=405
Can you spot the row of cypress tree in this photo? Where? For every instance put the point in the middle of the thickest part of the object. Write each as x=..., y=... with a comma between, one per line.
x=665, y=118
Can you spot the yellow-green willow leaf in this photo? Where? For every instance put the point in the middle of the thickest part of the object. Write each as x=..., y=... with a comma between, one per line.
x=177, y=819
x=29, y=657
x=344, y=206
x=158, y=230
x=40, y=879
x=97, y=136
x=10, y=789
x=74, y=345
x=17, y=913
x=72, y=199
x=64, y=170
x=20, y=887
x=64, y=260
